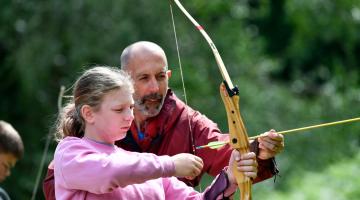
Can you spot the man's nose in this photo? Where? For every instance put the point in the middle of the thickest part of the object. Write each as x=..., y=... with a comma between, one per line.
x=8, y=172
x=153, y=85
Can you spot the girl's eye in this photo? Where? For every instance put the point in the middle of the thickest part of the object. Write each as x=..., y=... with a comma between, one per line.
x=119, y=110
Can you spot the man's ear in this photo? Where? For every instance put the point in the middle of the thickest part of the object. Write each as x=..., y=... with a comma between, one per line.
x=87, y=114
x=168, y=73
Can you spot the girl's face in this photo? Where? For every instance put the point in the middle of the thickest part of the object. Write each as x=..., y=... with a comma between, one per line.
x=7, y=161
x=115, y=115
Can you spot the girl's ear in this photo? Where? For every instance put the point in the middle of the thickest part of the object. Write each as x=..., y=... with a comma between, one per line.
x=87, y=114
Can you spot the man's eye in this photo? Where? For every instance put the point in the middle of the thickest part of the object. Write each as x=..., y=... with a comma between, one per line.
x=161, y=76
x=143, y=78
x=6, y=166
x=119, y=110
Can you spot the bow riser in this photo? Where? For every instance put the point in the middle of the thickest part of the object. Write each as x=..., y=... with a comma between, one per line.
x=238, y=138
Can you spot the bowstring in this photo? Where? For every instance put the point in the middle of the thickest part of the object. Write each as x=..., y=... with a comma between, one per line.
x=183, y=83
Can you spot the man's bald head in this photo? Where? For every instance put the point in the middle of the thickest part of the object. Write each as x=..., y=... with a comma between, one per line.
x=147, y=65
x=141, y=50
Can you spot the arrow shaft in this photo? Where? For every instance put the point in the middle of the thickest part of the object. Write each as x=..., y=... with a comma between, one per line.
x=219, y=144
x=312, y=127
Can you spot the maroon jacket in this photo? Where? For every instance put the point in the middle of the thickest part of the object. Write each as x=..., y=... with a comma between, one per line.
x=169, y=133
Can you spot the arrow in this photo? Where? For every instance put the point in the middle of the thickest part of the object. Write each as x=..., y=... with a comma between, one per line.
x=218, y=144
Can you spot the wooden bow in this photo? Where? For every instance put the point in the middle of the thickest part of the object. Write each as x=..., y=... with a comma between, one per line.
x=230, y=96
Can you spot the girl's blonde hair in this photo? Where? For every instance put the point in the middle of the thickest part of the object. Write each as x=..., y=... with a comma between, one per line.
x=89, y=89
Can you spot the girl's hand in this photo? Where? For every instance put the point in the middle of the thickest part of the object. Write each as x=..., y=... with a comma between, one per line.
x=244, y=163
x=187, y=165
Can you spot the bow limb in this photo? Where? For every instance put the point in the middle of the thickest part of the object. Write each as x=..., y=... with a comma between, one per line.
x=230, y=97
x=218, y=58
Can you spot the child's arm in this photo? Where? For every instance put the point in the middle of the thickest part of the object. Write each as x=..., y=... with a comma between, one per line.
x=220, y=188
x=223, y=186
x=82, y=167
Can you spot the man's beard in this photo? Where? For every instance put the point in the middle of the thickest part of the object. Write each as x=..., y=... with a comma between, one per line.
x=150, y=109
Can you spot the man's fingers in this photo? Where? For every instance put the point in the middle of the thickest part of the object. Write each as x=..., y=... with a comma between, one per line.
x=271, y=145
x=271, y=140
x=272, y=135
x=267, y=145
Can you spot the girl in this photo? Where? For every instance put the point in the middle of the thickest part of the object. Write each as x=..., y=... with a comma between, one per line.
x=89, y=166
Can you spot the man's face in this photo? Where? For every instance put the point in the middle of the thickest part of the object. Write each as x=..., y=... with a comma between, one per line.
x=150, y=75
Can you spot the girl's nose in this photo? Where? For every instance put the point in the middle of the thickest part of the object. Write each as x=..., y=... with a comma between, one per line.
x=129, y=116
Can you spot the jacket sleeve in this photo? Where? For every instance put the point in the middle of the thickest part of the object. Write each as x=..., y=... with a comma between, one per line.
x=78, y=167
x=49, y=183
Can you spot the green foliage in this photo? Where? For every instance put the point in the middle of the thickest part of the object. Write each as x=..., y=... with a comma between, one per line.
x=338, y=181
x=296, y=64
x=313, y=40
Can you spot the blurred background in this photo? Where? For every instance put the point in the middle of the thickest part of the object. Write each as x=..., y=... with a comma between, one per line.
x=297, y=63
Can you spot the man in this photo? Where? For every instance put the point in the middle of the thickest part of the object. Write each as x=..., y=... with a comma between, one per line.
x=164, y=125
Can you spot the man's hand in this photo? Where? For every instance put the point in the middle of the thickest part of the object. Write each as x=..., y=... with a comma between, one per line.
x=270, y=144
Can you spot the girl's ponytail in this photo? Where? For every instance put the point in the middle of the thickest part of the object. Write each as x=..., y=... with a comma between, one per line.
x=69, y=123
